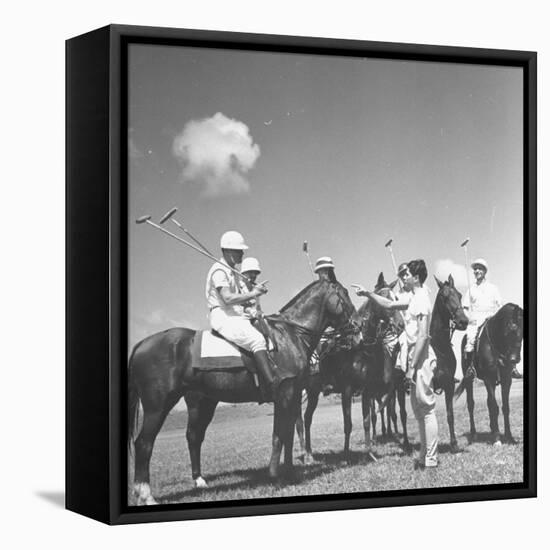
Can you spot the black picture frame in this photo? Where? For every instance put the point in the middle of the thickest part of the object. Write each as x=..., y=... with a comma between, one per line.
x=96, y=271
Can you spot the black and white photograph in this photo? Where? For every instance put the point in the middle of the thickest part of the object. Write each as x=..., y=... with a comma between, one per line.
x=326, y=274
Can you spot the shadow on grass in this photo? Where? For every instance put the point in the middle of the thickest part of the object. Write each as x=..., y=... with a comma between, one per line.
x=488, y=438
x=253, y=478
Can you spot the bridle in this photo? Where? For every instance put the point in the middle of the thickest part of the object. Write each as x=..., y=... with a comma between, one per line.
x=347, y=328
x=381, y=328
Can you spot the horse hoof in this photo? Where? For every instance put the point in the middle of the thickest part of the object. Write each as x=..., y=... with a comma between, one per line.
x=308, y=460
x=200, y=483
x=407, y=448
x=454, y=448
x=509, y=440
x=143, y=494
x=497, y=443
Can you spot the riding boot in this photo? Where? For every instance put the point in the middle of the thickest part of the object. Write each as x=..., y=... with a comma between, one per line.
x=470, y=372
x=516, y=373
x=268, y=381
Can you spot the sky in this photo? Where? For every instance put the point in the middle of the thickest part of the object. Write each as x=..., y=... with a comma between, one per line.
x=345, y=153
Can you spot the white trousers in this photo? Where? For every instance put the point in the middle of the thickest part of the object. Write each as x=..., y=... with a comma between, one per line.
x=237, y=329
x=423, y=406
x=471, y=331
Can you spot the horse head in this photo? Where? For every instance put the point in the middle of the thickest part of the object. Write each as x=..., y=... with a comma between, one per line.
x=378, y=320
x=510, y=332
x=451, y=299
x=322, y=304
x=339, y=308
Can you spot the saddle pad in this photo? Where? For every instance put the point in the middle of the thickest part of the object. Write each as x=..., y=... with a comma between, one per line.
x=213, y=353
x=214, y=346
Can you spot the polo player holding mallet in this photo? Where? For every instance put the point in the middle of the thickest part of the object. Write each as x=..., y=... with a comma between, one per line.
x=482, y=302
x=225, y=298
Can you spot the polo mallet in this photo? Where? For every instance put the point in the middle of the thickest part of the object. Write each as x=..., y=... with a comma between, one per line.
x=306, y=251
x=147, y=219
x=464, y=245
x=388, y=245
x=169, y=215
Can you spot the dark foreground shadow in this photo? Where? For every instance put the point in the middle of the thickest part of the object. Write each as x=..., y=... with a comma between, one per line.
x=488, y=438
x=259, y=477
x=57, y=498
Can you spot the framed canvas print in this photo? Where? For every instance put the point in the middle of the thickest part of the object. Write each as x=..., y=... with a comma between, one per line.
x=301, y=274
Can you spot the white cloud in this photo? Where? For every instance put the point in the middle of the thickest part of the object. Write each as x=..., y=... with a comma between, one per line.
x=446, y=267
x=216, y=153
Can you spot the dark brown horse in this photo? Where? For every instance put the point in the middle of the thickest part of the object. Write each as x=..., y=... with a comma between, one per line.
x=161, y=372
x=447, y=311
x=497, y=352
x=366, y=368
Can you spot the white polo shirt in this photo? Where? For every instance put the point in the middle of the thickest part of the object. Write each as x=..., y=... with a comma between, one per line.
x=220, y=276
x=486, y=300
x=420, y=304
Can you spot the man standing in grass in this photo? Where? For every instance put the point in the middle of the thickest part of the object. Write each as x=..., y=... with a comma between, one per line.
x=421, y=360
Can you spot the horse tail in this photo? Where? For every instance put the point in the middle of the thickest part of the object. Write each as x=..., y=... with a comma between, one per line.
x=460, y=389
x=133, y=403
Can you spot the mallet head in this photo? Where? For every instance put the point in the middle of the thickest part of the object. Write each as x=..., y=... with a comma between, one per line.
x=143, y=219
x=388, y=243
x=304, y=246
x=168, y=215
x=465, y=242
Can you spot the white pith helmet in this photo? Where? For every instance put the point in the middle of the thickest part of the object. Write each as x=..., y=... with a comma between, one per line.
x=323, y=262
x=480, y=262
x=233, y=240
x=250, y=264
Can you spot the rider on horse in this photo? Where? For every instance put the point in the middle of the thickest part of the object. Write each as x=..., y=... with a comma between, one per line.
x=226, y=298
x=250, y=268
x=482, y=301
x=324, y=268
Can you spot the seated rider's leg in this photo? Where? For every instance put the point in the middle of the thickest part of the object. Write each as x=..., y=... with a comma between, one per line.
x=468, y=368
x=240, y=331
x=268, y=379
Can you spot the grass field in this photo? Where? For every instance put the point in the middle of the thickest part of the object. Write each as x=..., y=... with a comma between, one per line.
x=238, y=445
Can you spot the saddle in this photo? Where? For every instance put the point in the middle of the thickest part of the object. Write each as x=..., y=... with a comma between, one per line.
x=212, y=352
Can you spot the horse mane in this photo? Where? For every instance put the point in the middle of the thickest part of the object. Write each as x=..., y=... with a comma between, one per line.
x=507, y=311
x=299, y=295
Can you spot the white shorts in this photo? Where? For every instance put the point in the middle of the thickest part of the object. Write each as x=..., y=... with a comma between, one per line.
x=237, y=329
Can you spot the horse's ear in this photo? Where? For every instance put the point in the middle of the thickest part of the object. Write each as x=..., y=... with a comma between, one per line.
x=439, y=283
x=381, y=283
x=451, y=280
x=393, y=283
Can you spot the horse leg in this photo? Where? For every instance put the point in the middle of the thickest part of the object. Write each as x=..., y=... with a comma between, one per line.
x=153, y=418
x=347, y=394
x=449, y=394
x=505, y=383
x=403, y=414
x=282, y=413
x=492, y=405
x=200, y=410
x=300, y=434
x=374, y=415
x=471, y=405
x=294, y=407
x=383, y=423
x=393, y=412
x=312, y=401
x=367, y=407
